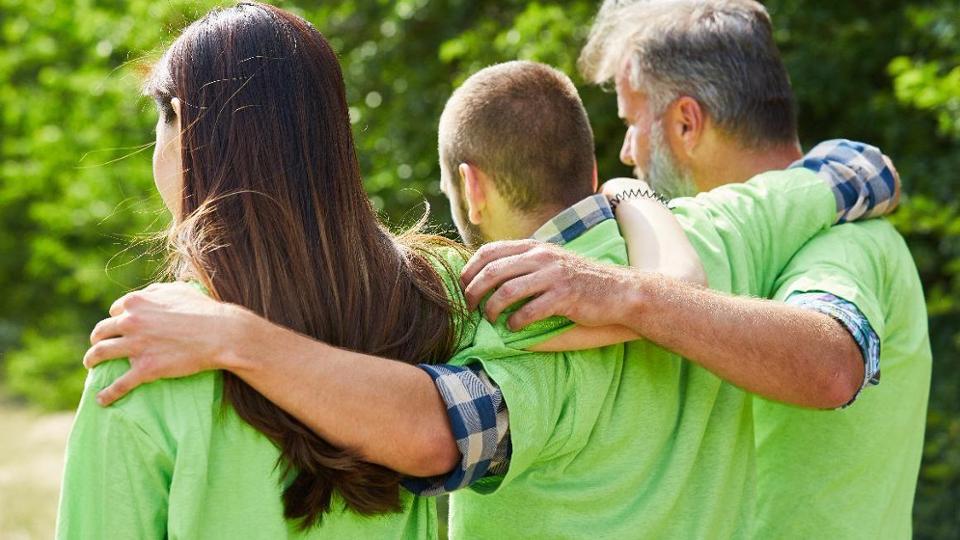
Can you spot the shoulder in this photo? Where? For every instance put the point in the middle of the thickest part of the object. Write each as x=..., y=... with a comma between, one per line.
x=536, y=378
x=448, y=259
x=875, y=239
x=162, y=407
x=878, y=230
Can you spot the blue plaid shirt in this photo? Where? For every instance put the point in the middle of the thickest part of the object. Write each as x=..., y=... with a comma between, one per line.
x=864, y=187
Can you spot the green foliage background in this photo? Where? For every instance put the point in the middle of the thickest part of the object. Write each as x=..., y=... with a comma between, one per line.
x=76, y=194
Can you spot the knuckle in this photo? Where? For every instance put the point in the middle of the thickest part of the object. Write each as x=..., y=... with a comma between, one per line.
x=508, y=290
x=136, y=345
x=485, y=250
x=122, y=386
x=487, y=275
x=543, y=255
x=130, y=322
x=132, y=300
x=147, y=367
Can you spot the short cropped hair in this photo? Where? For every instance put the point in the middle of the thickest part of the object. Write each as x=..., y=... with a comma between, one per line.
x=719, y=52
x=523, y=124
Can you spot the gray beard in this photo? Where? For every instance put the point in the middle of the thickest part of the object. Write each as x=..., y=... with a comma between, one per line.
x=663, y=173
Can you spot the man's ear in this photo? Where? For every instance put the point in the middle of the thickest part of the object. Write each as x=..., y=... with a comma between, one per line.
x=474, y=191
x=684, y=123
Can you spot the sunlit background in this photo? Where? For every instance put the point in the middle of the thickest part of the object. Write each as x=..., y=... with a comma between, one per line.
x=77, y=201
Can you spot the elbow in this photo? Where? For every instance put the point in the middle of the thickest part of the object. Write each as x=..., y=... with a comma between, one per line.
x=437, y=455
x=843, y=384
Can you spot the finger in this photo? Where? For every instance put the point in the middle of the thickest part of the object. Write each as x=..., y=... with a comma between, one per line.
x=120, y=387
x=491, y=252
x=108, y=349
x=544, y=306
x=514, y=291
x=105, y=329
x=496, y=274
x=118, y=305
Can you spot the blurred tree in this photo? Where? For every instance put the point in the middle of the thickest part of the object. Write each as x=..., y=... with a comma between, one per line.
x=76, y=189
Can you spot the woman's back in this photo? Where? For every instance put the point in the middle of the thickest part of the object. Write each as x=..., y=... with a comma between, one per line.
x=175, y=462
x=256, y=162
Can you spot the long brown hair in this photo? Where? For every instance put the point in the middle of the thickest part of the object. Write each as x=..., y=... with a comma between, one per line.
x=275, y=218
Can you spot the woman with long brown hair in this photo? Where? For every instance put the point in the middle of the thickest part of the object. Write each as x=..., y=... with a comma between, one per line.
x=256, y=161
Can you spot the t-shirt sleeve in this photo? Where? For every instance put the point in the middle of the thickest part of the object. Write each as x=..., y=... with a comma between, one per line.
x=847, y=266
x=755, y=228
x=116, y=478
x=841, y=264
x=537, y=388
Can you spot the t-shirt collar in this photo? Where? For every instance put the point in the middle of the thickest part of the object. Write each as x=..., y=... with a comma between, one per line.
x=576, y=220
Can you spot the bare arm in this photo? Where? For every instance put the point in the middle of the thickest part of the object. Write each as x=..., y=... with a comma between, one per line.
x=778, y=351
x=750, y=342
x=754, y=344
x=655, y=240
x=388, y=411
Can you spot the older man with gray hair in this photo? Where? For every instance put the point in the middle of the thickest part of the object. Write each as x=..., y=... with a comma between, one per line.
x=707, y=101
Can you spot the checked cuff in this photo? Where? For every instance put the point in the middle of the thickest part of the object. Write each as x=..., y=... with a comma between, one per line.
x=851, y=318
x=480, y=424
x=862, y=182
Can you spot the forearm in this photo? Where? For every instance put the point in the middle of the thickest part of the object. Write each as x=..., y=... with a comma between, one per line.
x=388, y=411
x=780, y=352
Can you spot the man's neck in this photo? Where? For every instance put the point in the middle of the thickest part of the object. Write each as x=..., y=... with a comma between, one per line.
x=520, y=225
x=739, y=165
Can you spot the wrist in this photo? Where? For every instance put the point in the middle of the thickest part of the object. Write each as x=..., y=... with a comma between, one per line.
x=241, y=331
x=642, y=291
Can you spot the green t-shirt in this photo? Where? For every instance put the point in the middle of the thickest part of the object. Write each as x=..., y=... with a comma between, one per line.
x=637, y=442
x=851, y=473
x=167, y=461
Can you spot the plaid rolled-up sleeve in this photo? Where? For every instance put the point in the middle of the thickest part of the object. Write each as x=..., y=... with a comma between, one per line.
x=851, y=318
x=480, y=423
x=863, y=183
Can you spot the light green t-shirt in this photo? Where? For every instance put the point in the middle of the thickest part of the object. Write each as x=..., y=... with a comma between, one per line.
x=851, y=473
x=639, y=443
x=167, y=461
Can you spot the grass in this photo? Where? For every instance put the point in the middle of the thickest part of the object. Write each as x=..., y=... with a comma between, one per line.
x=31, y=461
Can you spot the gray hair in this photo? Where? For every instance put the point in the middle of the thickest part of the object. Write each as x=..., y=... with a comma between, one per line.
x=719, y=52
